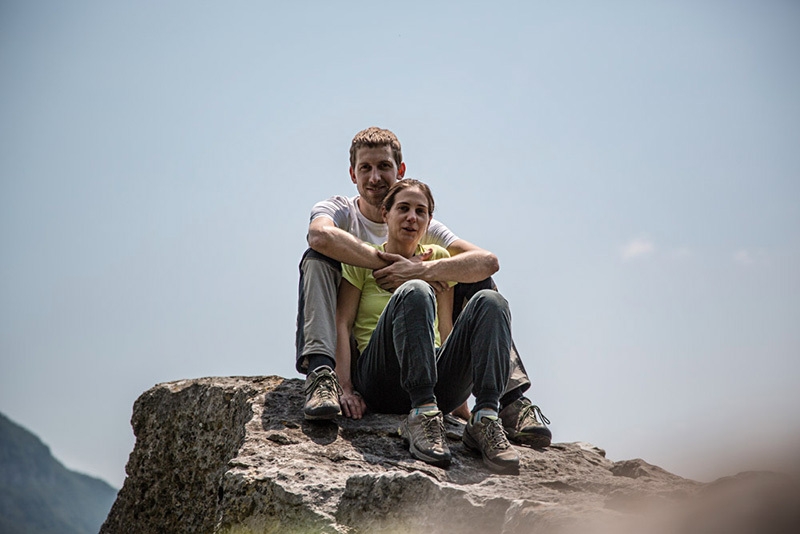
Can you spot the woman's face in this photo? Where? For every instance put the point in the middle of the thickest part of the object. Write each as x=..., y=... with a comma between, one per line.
x=408, y=218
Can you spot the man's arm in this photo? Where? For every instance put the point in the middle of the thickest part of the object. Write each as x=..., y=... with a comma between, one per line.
x=467, y=263
x=326, y=238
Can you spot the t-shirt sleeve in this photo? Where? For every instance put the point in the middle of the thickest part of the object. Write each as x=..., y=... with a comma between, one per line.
x=439, y=234
x=335, y=208
x=355, y=275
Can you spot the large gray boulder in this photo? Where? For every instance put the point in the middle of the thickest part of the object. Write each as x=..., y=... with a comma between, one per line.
x=234, y=455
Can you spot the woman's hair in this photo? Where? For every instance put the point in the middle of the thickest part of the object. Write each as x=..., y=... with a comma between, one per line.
x=374, y=137
x=405, y=183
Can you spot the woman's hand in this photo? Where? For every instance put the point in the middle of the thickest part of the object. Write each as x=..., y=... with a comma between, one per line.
x=353, y=405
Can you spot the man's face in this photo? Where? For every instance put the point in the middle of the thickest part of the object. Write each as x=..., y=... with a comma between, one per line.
x=375, y=172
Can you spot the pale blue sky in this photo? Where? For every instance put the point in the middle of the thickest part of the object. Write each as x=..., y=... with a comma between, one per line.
x=634, y=165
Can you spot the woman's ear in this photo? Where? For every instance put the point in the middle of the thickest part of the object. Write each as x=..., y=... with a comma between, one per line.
x=384, y=213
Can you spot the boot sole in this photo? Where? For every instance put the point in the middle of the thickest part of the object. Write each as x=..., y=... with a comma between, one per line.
x=437, y=462
x=329, y=414
x=537, y=441
x=321, y=417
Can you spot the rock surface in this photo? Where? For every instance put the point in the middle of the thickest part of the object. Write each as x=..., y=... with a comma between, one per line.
x=234, y=455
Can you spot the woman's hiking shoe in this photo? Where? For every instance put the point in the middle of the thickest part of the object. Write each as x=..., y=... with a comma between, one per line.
x=521, y=424
x=488, y=438
x=425, y=437
x=322, y=394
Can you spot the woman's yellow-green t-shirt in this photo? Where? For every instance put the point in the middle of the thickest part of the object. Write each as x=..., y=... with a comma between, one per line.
x=374, y=299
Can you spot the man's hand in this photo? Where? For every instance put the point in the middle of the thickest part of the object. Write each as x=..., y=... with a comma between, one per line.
x=400, y=269
x=352, y=403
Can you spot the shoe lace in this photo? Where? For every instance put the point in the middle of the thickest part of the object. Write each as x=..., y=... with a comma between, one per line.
x=531, y=411
x=495, y=435
x=433, y=429
x=325, y=385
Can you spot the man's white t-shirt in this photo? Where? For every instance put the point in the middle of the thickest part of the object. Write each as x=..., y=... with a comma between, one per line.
x=345, y=215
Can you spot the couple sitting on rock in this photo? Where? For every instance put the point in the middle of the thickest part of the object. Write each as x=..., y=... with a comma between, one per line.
x=377, y=304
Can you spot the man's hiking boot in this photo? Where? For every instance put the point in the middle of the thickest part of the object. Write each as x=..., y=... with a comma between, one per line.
x=488, y=438
x=322, y=394
x=424, y=435
x=521, y=424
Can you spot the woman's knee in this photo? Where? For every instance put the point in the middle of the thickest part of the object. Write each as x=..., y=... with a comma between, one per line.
x=415, y=288
x=491, y=299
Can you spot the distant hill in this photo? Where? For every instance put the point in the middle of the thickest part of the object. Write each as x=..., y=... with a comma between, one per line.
x=38, y=495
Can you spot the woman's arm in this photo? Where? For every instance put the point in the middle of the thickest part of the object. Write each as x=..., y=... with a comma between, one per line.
x=346, y=308
x=444, y=308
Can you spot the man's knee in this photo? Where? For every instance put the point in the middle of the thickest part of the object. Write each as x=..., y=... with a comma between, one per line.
x=314, y=262
x=319, y=277
x=316, y=308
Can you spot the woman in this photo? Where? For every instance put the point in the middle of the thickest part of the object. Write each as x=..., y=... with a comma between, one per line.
x=413, y=359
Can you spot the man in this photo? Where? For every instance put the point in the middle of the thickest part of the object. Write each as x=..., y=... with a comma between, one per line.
x=339, y=232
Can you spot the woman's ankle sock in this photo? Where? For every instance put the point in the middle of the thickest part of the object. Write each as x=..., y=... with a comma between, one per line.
x=483, y=412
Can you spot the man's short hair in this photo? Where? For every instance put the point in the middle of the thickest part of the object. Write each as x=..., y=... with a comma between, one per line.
x=374, y=137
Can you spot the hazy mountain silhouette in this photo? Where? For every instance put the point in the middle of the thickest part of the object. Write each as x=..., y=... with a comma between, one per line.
x=38, y=495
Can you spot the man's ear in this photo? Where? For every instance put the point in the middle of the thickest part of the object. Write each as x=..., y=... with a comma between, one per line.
x=353, y=175
x=401, y=170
